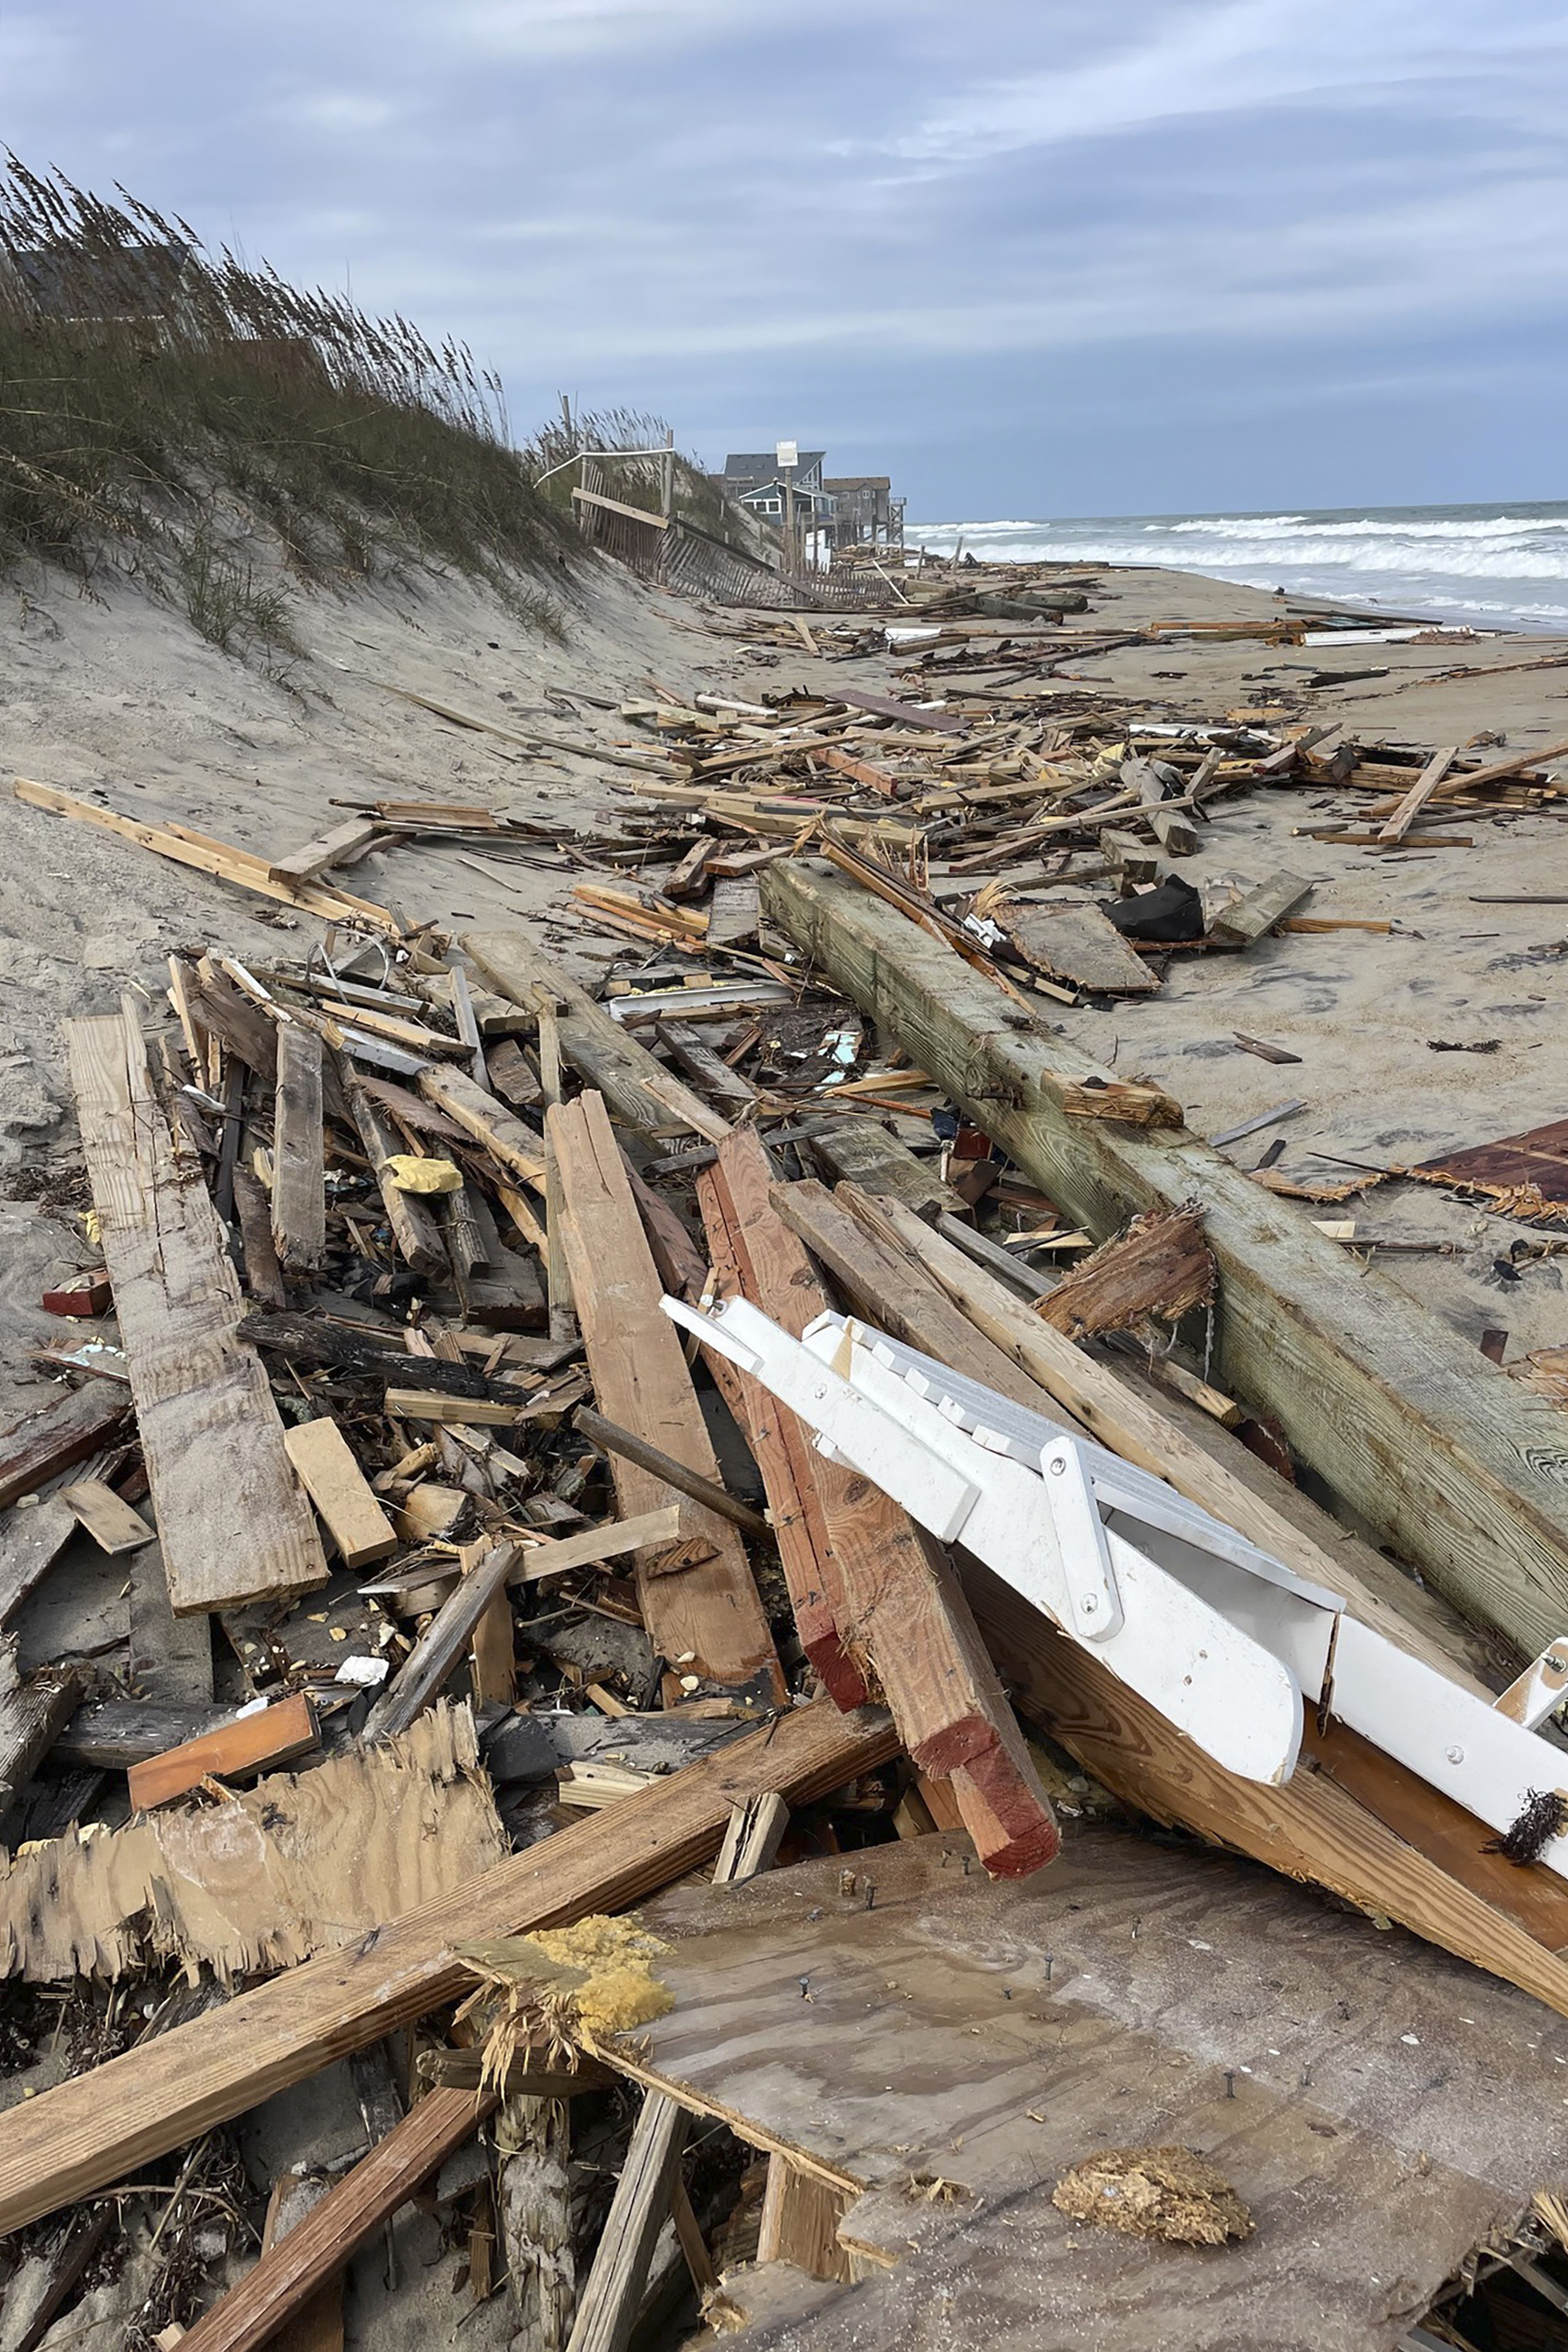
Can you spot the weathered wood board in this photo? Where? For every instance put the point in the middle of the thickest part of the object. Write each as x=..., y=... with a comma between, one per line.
x=233, y=1523
x=706, y=1617
x=1077, y=945
x=641, y=1091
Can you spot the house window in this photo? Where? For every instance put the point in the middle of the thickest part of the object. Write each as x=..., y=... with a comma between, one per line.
x=775, y=506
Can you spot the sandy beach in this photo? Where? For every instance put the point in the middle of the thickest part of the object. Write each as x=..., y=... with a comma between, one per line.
x=118, y=697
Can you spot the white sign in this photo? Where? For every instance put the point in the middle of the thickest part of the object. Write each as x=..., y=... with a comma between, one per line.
x=788, y=454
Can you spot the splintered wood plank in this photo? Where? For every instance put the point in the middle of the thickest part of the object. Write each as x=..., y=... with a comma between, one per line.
x=1080, y=945
x=615, y=2288
x=800, y=2219
x=640, y=1088
x=234, y=1524
x=734, y=912
x=66, y=1430
x=890, y=1599
x=32, y=1715
x=260, y=1878
x=89, y=2132
x=725, y=1086
x=341, y=1495
x=515, y=1146
x=1260, y=910
x=220, y=859
x=1161, y=1266
x=299, y=1183
x=327, y=850
x=249, y=1744
x=781, y=1445
x=112, y=1524
x=30, y=1543
x=413, y=1220
x=706, y=1617
x=446, y=1639
x=1419, y=793
x=1514, y=1167
x=264, y=1277
x=296, y=2267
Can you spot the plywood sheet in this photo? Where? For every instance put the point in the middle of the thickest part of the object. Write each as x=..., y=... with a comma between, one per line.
x=295, y=1865
x=1080, y=945
x=1378, y=2107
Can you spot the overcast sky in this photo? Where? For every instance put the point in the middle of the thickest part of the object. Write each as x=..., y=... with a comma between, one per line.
x=1033, y=257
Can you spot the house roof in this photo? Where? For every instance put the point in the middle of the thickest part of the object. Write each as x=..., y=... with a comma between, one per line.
x=856, y=480
x=762, y=465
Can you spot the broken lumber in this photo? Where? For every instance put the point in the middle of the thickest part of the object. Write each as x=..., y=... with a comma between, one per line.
x=342, y=842
x=745, y=1240
x=861, y=1151
x=1453, y=1465
x=1160, y=1265
x=297, y=2264
x=34, y=1712
x=1419, y=793
x=442, y=1646
x=297, y=1864
x=72, y=1425
x=299, y=1176
x=89, y=2132
x=220, y=859
x=625, y=1445
x=874, y=1585
x=1076, y=944
x=1243, y=924
x=233, y=1523
x=706, y=1617
x=112, y=1524
x=248, y=1743
x=613, y=2290
x=325, y=1467
x=727, y=1091
x=30, y=1543
x=502, y=1133
x=413, y=1220
x=640, y=1089
x=117, y=1733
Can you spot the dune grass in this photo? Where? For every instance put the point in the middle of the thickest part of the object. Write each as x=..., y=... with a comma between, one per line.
x=221, y=433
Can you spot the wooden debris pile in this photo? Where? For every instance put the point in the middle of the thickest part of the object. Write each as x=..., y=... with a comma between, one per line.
x=445, y=1596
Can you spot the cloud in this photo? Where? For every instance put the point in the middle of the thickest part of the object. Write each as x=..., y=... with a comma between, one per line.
x=1227, y=56
x=1005, y=240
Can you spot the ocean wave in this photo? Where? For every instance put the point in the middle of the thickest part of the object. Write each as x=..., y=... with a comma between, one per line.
x=1372, y=527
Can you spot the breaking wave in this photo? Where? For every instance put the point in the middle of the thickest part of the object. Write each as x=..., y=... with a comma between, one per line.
x=1494, y=563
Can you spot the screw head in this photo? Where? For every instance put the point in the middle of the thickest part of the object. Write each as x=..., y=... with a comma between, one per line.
x=1058, y=1467
x=1456, y=1755
x=1089, y=1604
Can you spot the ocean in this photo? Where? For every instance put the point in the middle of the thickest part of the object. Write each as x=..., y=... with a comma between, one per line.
x=1498, y=566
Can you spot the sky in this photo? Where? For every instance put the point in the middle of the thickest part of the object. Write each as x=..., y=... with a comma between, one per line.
x=1029, y=257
